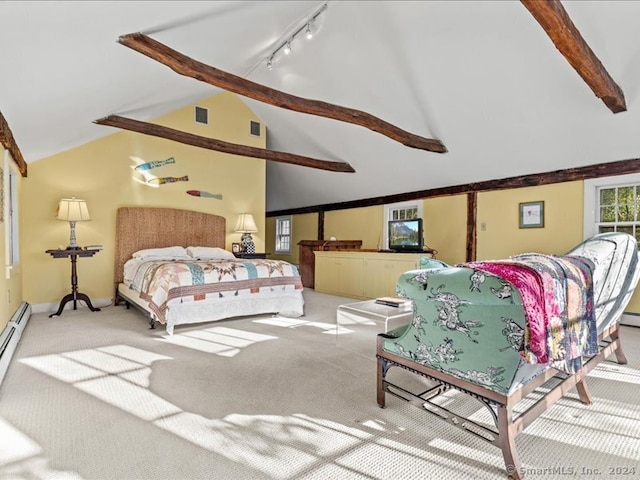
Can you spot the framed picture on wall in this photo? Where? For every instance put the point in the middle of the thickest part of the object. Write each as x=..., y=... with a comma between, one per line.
x=532, y=215
x=235, y=247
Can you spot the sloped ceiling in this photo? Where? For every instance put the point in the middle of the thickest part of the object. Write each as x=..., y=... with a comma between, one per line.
x=483, y=77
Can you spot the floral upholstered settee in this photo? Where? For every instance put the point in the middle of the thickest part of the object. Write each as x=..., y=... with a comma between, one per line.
x=499, y=330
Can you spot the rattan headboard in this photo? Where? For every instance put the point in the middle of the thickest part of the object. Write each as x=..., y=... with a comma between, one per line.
x=152, y=227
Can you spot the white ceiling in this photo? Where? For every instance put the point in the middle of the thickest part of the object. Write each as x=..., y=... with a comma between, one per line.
x=481, y=76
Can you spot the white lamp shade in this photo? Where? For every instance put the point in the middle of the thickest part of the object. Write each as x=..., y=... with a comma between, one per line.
x=73, y=210
x=246, y=224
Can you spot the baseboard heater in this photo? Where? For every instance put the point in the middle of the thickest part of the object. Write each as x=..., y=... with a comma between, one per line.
x=10, y=336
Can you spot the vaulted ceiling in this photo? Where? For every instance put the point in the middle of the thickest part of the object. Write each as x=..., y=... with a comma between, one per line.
x=484, y=78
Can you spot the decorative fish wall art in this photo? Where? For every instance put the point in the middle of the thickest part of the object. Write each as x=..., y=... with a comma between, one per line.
x=200, y=193
x=155, y=164
x=163, y=180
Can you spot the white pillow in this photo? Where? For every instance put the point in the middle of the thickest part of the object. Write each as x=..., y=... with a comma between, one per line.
x=210, y=253
x=166, y=253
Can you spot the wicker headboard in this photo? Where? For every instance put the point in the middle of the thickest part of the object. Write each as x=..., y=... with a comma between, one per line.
x=152, y=227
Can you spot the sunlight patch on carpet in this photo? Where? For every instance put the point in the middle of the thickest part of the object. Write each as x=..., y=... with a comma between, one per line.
x=222, y=341
x=282, y=446
x=285, y=322
x=616, y=372
x=21, y=457
x=15, y=445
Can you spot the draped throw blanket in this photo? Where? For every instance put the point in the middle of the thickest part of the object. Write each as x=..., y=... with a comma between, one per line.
x=557, y=296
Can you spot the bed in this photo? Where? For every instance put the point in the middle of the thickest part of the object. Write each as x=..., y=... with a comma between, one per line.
x=194, y=285
x=474, y=326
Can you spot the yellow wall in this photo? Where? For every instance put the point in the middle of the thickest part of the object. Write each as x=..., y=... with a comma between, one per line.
x=445, y=227
x=498, y=211
x=356, y=224
x=101, y=172
x=10, y=281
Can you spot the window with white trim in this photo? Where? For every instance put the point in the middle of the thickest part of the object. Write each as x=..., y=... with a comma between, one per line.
x=10, y=186
x=612, y=204
x=283, y=234
x=399, y=211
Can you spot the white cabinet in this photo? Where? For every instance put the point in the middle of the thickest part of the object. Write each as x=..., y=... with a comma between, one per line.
x=362, y=274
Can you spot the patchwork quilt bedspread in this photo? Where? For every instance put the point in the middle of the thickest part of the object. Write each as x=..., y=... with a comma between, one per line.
x=163, y=282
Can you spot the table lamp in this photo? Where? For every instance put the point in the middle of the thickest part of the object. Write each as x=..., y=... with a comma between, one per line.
x=73, y=210
x=246, y=225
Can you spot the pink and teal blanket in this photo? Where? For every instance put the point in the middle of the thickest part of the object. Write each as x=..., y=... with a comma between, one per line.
x=557, y=295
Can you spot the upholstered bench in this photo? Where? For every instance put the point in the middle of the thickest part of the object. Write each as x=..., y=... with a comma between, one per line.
x=484, y=334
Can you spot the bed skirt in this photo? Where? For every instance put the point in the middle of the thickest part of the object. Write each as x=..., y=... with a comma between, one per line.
x=288, y=304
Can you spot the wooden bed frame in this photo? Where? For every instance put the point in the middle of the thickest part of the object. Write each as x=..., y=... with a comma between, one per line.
x=140, y=228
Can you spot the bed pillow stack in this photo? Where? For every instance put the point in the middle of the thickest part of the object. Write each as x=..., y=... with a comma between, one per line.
x=210, y=253
x=166, y=253
x=181, y=253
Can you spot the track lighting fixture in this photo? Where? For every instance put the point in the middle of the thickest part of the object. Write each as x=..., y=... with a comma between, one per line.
x=306, y=27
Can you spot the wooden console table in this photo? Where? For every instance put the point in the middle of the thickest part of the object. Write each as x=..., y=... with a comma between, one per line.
x=75, y=296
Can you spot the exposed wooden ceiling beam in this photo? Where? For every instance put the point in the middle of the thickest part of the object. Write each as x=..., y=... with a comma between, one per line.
x=8, y=142
x=220, y=145
x=609, y=169
x=555, y=20
x=189, y=67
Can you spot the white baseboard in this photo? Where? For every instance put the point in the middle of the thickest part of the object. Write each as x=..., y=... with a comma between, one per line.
x=631, y=319
x=10, y=336
x=53, y=307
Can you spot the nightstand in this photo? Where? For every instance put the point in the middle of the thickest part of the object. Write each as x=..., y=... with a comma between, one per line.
x=254, y=256
x=74, y=296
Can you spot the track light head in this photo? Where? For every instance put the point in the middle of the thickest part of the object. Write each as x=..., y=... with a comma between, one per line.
x=287, y=48
x=308, y=33
x=270, y=63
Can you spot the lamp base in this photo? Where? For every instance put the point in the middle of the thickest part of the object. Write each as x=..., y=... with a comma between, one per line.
x=72, y=237
x=246, y=243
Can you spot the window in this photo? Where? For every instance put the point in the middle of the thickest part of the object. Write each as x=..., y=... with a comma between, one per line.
x=283, y=234
x=399, y=211
x=612, y=204
x=10, y=187
x=202, y=115
x=404, y=213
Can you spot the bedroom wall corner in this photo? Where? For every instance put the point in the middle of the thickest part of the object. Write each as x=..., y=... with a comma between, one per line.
x=103, y=173
x=303, y=227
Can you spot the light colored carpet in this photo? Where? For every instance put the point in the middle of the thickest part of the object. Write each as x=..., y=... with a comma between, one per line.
x=100, y=396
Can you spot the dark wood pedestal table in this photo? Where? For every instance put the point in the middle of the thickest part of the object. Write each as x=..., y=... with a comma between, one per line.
x=74, y=296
